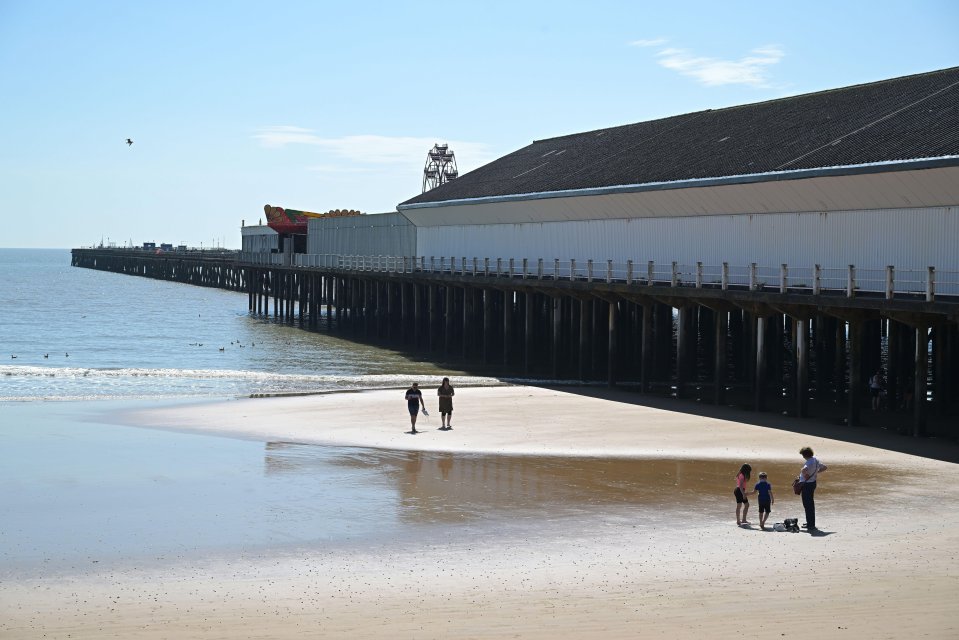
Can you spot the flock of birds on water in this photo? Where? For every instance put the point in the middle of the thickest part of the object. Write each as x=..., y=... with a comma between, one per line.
x=192, y=344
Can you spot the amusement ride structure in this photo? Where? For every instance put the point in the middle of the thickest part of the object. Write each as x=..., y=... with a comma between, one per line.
x=440, y=167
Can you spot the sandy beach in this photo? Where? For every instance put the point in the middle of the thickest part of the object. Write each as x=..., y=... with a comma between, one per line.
x=664, y=560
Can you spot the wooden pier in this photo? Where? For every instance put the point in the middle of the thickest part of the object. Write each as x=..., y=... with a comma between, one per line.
x=777, y=345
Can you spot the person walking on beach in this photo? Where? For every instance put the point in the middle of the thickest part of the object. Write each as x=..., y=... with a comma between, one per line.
x=414, y=400
x=446, y=392
x=766, y=498
x=808, y=475
x=742, y=502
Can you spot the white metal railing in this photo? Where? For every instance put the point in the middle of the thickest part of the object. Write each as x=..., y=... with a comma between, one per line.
x=815, y=279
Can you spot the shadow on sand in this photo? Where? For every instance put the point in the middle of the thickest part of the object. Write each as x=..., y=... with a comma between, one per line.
x=929, y=447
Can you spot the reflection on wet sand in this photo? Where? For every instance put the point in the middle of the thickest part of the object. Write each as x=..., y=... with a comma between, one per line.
x=447, y=487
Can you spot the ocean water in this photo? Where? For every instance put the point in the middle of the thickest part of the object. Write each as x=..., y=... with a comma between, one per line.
x=79, y=347
x=68, y=333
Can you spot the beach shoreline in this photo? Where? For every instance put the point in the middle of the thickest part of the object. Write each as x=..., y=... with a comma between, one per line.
x=884, y=565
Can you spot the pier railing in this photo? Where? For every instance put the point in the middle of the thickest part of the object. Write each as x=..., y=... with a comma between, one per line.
x=890, y=281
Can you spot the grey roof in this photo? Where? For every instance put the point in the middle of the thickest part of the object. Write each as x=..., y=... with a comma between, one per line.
x=908, y=118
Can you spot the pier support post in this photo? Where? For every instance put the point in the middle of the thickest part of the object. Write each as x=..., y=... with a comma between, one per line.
x=854, y=398
x=584, y=318
x=646, y=356
x=448, y=333
x=611, y=359
x=417, y=314
x=528, y=342
x=682, y=350
x=487, y=324
x=507, y=325
x=921, y=372
x=720, y=325
x=939, y=351
x=431, y=311
x=557, y=315
x=759, y=380
x=802, y=367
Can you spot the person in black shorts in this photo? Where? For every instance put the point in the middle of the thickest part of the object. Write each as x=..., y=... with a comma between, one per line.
x=766, y=498
x=414, y=400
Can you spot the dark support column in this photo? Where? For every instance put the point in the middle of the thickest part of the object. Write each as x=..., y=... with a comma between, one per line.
x=528, y=342
x=431, y=316
x=584, y=317
x=557, y=309
x=417, y=313
x=820, y=349
x=839, y=362
x=802, y=367
x=855, y=371
x=611, y=362
x=330, y=282
x=507, y=325
x=390, y=309
x=682, y=351
x=939, y=369
x=487, y=324
x=646, y=358
x=720, y=324
x=759, y=380
x=921, y=373
x=466, y=326
x=450, y=296
x=894, y=369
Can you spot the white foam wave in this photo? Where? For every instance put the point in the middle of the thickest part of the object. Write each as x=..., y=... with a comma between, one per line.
x=214, y=374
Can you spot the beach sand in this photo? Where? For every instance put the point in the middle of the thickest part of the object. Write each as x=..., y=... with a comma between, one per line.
x=672, y=563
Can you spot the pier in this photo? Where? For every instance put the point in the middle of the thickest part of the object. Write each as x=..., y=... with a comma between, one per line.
x=776, y=339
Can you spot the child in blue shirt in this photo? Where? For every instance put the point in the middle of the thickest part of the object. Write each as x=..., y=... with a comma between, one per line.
x=766, y=499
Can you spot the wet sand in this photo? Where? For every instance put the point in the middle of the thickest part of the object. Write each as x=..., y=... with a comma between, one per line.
x=606, y=518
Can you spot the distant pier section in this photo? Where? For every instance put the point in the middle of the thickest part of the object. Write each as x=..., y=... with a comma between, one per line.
x=202, y=267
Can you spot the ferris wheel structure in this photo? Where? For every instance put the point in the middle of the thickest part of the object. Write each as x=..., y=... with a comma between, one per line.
x=440, y=167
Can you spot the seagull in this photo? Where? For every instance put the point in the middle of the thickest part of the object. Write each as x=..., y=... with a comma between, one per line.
x=129, y=142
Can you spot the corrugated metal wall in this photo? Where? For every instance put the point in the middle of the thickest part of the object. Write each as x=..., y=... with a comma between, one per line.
x=906, y=238
x=259, y=239
x=380, y=234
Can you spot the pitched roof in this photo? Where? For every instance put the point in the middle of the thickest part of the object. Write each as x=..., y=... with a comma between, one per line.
x=907, y=118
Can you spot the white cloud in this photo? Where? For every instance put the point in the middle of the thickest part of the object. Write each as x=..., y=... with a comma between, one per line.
x=750, y=70
x=654, y=42
x=373, y=149
x=284, y=135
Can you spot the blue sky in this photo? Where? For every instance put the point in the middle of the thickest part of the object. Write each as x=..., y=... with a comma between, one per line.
x=319, y=106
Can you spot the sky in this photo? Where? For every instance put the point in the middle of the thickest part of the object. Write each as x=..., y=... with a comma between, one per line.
x=334, y=105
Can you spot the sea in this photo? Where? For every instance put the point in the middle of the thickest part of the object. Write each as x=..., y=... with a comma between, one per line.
x=68, y=333
x=82, y=491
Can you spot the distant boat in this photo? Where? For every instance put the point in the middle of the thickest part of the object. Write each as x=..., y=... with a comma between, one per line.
x=293, y=221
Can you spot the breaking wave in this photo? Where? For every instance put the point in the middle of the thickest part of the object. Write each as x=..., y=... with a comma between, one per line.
x=21, y=383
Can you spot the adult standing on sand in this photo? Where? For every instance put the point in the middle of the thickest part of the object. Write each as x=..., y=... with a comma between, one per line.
x=809, y=474
x=414, y=400
x=446, y=392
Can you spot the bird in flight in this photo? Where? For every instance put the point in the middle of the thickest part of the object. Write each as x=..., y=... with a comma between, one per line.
x=129, y=142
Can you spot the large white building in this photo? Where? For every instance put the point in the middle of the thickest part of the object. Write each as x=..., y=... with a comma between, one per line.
x=865, y=175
